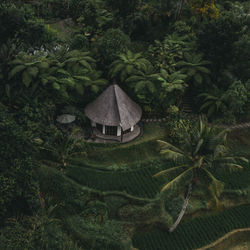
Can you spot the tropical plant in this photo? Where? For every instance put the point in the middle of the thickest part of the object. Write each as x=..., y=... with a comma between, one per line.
x=234, y=99
x=202, y=152
x=194, y=67
x=80, y=42
x=128, y=64
x=214, y=103
x=172, y=87
x=216, y=39
x=62, y=148
x=8, y=51
x=123, y=7
x=172, y=82
x=95, y=81
x=28, y=67
x=18, y=185
x=237, y=96
x=143, y=80
x=112, y=44
x=77, y=60
x=167, y=53
x=204, y=8
x=73, y=70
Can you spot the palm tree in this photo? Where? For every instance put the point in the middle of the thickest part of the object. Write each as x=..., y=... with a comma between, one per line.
x=172, y=86
x=127, y=65
x=214, y=103
x=95, y=81
x=73, y=71
x=194, y=67
x=29, y=66
x=143, y=80
x=62, y=149
x=202, y=151
x=77, y=60
x=172, y=82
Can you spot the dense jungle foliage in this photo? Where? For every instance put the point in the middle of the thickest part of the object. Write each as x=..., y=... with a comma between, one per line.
x=175, y=58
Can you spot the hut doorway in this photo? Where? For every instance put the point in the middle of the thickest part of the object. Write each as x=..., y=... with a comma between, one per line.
x=111, y=130
x=99, y=127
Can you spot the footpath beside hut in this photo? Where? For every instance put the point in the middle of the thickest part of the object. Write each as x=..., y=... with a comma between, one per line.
x=114, y=115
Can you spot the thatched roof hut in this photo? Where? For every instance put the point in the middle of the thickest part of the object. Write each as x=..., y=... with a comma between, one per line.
x=113, y=108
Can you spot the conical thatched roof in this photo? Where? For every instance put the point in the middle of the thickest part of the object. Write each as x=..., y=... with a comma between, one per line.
x=113, y=107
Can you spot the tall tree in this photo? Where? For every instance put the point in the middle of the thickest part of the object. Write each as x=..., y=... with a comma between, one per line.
x=202, y=151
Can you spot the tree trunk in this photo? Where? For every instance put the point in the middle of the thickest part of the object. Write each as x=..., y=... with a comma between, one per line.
x=183, y=210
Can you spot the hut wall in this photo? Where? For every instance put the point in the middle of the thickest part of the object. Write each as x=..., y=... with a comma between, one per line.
x=93, y=124
x=119, y=131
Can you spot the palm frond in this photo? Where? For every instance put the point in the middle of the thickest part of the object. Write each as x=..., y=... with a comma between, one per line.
x=198, y=146
x=176, y=179
x=167, y=171
x=16, y=70
x=234, y=167
x=217, y=186
x=170, y=154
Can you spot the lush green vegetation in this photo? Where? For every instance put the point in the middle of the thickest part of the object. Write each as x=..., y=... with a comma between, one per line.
x=59, y=192
x=208, y=228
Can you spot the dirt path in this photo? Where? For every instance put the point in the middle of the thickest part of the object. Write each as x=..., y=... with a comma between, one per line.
x=62, y=24
x=232, y=127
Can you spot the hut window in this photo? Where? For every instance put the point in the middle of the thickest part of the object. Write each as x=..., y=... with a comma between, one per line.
x=111, y=130
x=99, y=126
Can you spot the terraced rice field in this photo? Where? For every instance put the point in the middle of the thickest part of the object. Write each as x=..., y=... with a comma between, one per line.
x=196, y=233
x=130, y=168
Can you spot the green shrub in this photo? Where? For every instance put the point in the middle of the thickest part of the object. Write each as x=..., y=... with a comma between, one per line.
x=113, y=43
x=80, y=42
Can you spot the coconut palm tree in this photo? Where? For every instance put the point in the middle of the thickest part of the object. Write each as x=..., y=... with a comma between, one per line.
x=62, y=149
x=127, y=65
x=202, y=151
x=194, y=67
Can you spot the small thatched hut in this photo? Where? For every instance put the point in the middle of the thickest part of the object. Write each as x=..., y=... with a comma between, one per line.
x=114, y=113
